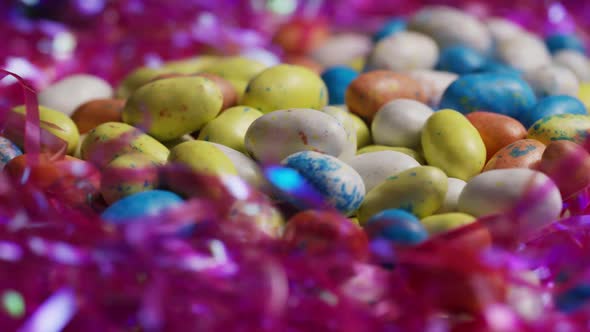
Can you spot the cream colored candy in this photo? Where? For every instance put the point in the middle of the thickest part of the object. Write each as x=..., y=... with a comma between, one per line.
x=69, y=93
x=553, y=80
x=450, y=26
x=452, y=197
x=342, y=49
x=574, y=61
x=502, y=29
x=524, y=52
x=376, y=167
x=400, y=123
x=276, y=135
x=405, y=50
x=498, y=191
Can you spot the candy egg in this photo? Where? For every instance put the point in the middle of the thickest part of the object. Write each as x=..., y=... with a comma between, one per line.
x=461, y=60
x=405, y=50
x=274, y=136
x=8, y=151
x=450, y=26
x=568, y=164
x=246, y=168
x=455, y=187
x=553, y=105
x=340, y=184
x=560, y=41
x=173, y=107
x=584, y=94
x=574, y=61
x=112, y=139
x=498, y=191
x=58, y=124
x=300, y=36
x=523, y=51
x=303, y=61
x=494, y=92
x=524, y=153
x=69, y=93
x=571, y=127
x=420, y=190
x=237, y=70
x=433, y=82
x=261, y=55
x=136, y=79
x=230, y=96
x=374, y=148
x=363, y=135
x=342, y=49
x=95, y=112
x=452, y=143
x=370, y=91
x=552, y=80
x=400, y=123
x=444, y=222
x=397, y=226
x=202, y=157
x=390, y=28
x=337, y=79
x=143, y=204
x=286, y=86
x=496, y=130
x=501, y=28
x=116, y=183
x=346, y=121
x=189, y=65
x=230, y=127
x=376, y=167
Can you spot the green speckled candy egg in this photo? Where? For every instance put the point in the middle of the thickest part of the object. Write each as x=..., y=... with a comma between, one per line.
x=104, y=143
x=452, y=143
x=58, y=124
x=202, y=157
x=175, y=106
x=230, y=127
x=570, y=127
x=116, y=184
x=420, y=190
x=284, y=87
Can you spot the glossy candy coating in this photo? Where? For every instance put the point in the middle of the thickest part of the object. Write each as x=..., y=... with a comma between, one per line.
x=69, y=93
x=95, y=112
x=455, y=187
x=460, y=60
x=115, y=185
x=400, y=123
x=376, y=167
x=524, y=153
x=237, y=70
x=374, y=148
x=553, y=105
x=496, y=130
x=147, y=203
x=337, y=80
x=571, y=127
x=397, y=226
x=230, y=127
x=405, y=50
x=202, y=156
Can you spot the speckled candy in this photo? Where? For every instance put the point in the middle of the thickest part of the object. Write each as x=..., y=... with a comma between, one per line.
x=496, y=130
x=286, y=86
x=203, y=157
x=553, y=105
x=397, y=226
x=370, y=91
x=525, y=153
x=571, y=127
x=341, y=185
x=494, y=92
x=143, y=204
x=8, y=151
x=236, y=69
x=115, y=184
x=230, y=127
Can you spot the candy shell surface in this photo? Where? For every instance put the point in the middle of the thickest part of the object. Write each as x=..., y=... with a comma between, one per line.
x=374, y=148
x=571, y=127
x=230, y=127
x=342, y=186
x=98, y=111
x=523, y=51
x=115, y=185
x=455, y=187
x=202, y=156
x=562, y=41
x=143, y=204
x=397, y=226
x=337, y=80
x=390, y=28
x=524, y=153
x=400, y=123
x=496, y=130
x=246, y=168
x=444, y=222
x=552, y=80
x=376, y=167
x=574, y=61
x=406, y=50
x=69, y=93
x=460, y=60
x=553, y=105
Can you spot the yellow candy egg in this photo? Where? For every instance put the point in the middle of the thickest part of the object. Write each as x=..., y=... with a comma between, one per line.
x=237, y=70
x=284, y=87
x=174, y=107
x=116, y=185
x=444, y=222
x=346, y=121
x=104, y=143
x=571, y=127
x=420, y=190
x=374, y=148
x=363, y=135
x=584, y=94
x=136, y=79
x=189, y=66
x=202, y=157
x=230, y=127
x=58, y=124
x=452, y=143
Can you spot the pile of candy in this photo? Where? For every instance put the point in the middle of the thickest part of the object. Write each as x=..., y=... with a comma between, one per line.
x=430, y=176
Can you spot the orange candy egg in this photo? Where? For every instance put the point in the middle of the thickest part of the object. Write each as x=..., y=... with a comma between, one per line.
x=524, y=153
x=95, y=112
x=300, y=36
x=496, y=130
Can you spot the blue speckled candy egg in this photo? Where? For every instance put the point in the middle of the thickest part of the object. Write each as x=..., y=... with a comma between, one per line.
x=553, y=105
x=560, y=41
x=461, y=60
x=493, y=92
x=335, y=180
x=337, y=80
x=147, y=203
x=398, y=226
x=390, y=28
x=7, y=151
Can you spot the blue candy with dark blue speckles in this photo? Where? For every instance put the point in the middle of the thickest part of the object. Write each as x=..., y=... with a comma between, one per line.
x=559, y=42
x=461, y=60
x=337, y=79
x=8, y=151
x=147, y=203
x=397, y=226
x=493, y=92
x=553, y=105
x=390, y=28
x=339, y=183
